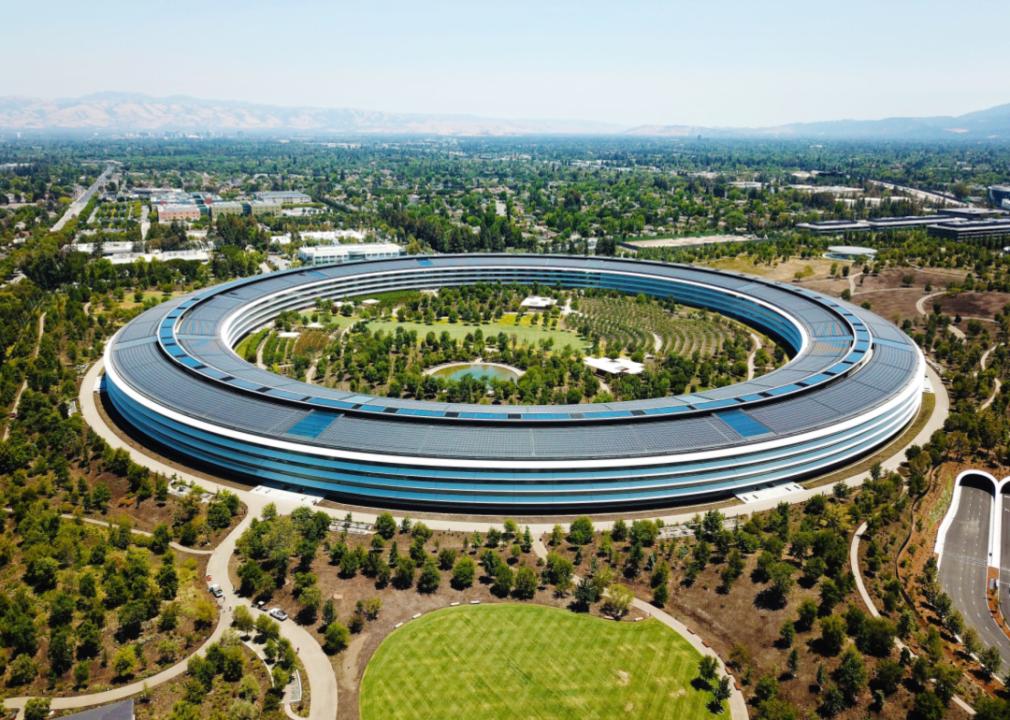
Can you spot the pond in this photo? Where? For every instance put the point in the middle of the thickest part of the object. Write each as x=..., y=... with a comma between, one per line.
x=484, y=372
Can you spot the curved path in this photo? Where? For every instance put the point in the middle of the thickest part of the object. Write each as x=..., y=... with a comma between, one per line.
x=920, y=304
x=318, y=669
x=221, y=554
x=737, y=703
x=320, y=675
x=868, y=601
x=110, y=525
x=24, y=383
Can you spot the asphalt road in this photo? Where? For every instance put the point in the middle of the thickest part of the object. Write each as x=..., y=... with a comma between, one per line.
x=963, y=567
x=78, y=205
x=1004, y=571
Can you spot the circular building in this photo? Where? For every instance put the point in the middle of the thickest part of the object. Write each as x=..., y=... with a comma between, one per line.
x=850, y=253
x=854, y=381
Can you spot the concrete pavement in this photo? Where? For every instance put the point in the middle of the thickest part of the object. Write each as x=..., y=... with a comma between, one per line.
x=964, y=566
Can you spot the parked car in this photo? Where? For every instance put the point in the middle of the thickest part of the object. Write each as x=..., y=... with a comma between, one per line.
x=277, y=614
x=216, y=590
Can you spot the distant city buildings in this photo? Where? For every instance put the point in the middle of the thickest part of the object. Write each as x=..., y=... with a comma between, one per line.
x=327, y=254
x=283, y=197
x=960, y=223
x=178, y=212
x=999, y=196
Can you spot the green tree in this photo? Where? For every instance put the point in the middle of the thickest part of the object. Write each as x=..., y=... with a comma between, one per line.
x=336, y=637
x=832, y=634
x=463, y=572
x=851, y=675
x=36, y=709
x=385, y=525
x=430, y=578
x=581, y=531
x=525, y=583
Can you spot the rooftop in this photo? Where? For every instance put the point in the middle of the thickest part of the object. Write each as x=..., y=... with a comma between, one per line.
x=614, y=366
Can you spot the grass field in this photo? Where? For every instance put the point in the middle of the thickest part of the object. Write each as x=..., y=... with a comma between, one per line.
x=531, y=661
x=524, y=332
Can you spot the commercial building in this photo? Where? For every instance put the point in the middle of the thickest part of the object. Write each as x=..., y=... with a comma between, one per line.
x=902, y=222
x=971, y=229
x=853, y=383
x=177, y=212
x=850, y=253
x=283, y=197
x=262, y=207
x=326, y=254
x=109, y=247
x=999, y=195
x=226, y=207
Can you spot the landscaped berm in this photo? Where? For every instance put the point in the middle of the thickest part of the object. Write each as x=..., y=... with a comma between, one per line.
x=529, y=661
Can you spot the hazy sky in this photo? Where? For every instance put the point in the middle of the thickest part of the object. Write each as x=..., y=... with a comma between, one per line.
x=720, y=62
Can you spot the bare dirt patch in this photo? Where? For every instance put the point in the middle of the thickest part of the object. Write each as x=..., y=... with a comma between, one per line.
x=974, y=304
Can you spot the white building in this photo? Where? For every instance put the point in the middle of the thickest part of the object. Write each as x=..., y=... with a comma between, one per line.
x=283, y=197
x=327, y=254
x=537, y=302
x=109, y=247
x=614, y=366
x=331, y=236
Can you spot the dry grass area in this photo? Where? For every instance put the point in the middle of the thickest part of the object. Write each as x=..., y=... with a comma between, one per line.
x=974, y=304
x=808, y=268
x=894, y=304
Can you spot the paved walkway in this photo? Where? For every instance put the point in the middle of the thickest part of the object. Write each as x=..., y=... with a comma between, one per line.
x=321, y=678
x=220, y=556
x=464, y=524
x=737, y=703
x=868, y=601
x=24, y=383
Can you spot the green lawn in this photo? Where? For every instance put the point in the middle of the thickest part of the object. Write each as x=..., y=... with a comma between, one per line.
x=524, y=332
x=486, y=662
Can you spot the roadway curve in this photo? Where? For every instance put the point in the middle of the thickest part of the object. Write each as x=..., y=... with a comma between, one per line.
x=964, y=565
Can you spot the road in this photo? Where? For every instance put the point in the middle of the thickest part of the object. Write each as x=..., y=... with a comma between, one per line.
x=925, y=195
x=80, y=203
x=1004, y=571
x=964, y=564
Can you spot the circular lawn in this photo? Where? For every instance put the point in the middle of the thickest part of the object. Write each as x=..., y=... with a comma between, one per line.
x=529, y=661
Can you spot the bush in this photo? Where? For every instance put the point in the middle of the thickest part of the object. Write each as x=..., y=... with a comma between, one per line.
x=463, y=573
x=430, y=578
x=525, y=583
x=581, y=531
x=336, y=637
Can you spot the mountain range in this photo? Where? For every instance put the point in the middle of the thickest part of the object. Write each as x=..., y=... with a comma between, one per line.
x=131, y=113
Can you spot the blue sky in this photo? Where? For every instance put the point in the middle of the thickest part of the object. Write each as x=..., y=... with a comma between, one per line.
x=710, y=63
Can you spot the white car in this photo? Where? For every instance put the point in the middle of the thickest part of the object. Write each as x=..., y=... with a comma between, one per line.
x=215, y=590
x=277, y=614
